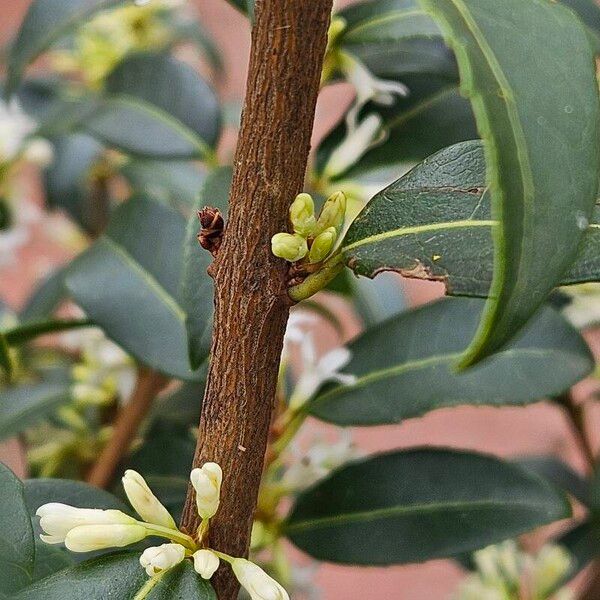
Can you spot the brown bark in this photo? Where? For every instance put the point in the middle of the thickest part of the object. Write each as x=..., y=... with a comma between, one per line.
x=251, y=303
x=126, y=426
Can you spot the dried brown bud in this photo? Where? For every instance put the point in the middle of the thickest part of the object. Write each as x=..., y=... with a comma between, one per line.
x=211, y=232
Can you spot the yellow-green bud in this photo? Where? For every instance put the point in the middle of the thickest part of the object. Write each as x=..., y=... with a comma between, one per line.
x=292, y=247
x=322, y=245
x=302, y=214
x=333, y=213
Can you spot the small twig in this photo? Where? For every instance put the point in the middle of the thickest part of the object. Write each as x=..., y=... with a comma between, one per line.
x=126, y=426
x=576, y=418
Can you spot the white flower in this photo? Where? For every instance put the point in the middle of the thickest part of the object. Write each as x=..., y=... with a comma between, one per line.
x=368, y=88
x=256, y=582
x=160, y=558
x=315, y=372
x=15, y=127
x=207, y=483
x=86, y=538
x=57, y=519
x=39, y=152
x=145, y=503
x=368, y=133
x=205, y=563
x=321, y=458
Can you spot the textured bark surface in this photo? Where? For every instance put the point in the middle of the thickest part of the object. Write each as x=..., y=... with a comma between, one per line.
x=251, y=303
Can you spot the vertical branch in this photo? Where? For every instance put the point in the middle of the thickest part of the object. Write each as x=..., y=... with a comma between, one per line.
x=126, y=426
x=251, y=303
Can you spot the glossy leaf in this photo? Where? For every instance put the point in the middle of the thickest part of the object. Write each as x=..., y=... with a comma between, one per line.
x=24, y=405
x=405, y=366
x=197, y=286
x=157, y=106
x=539, y=121
x=435, y=223
x=119, y=576
x=127, y=282
x=16, y=536
x=46, y=22
x=415, y=505
x=68, y=181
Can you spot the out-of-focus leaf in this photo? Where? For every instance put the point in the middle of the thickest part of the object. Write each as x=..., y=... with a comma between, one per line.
x=45, y=298
x=181, y=407
x=5, y=360
x=419, y=504
x=404, y=366
x=21, y=334
x=68, y=181
x=127, y=282
x=17, y=550
x=155, y=105
x=46, y=22
x=539, y=120
x=197, y=286
x=435, y=223
x=24, y=405
x=175, y=182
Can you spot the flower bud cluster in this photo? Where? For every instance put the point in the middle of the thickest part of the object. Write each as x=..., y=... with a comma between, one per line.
x=88, y=529
x=314, y=238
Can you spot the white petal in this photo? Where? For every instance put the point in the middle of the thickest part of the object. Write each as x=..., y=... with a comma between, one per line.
x=334, y=360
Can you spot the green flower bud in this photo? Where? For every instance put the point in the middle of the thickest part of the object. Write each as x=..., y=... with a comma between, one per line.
x=292, y=247
x=332, y=214
x=322, y=245
x=302, y=214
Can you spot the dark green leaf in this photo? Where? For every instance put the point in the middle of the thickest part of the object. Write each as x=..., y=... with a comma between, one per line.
x=157, y=106
x=127, y=282
x=119, y=576
x=197, y=286
x=181, y=407
x=22, y=406
x=539, y=121
x=404, y=366
x=245, y=6
x=433, y=116
x=68, y=181
x=558, y=473
x=583, y=544
x=175, y=182
x=21, y=334
x=45, y=299
x=435, y=223
x=16, y=535
x=5, y=360
x=75, y=493
x=420, y=504
x=46, y=22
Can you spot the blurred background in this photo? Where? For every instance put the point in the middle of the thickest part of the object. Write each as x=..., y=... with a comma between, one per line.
x=41, y=241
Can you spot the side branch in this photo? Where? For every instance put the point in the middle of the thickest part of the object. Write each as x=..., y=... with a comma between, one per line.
x=251, y=302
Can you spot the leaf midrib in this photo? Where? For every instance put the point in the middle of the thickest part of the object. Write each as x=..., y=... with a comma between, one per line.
x=396, y=15
x=402, y=510
x=407, y=366
x=417, y=229
x=163, y=295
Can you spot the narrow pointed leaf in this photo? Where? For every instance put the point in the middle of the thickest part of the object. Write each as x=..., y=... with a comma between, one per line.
x=197, y=285
x=539, y=122
x=16, y=536
x=21, y=334
x=127, y=282
x=416, y=505
x=405, y=366
x=5, y=360
x=435, y=223
x=119, y=576
x=46, y=22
